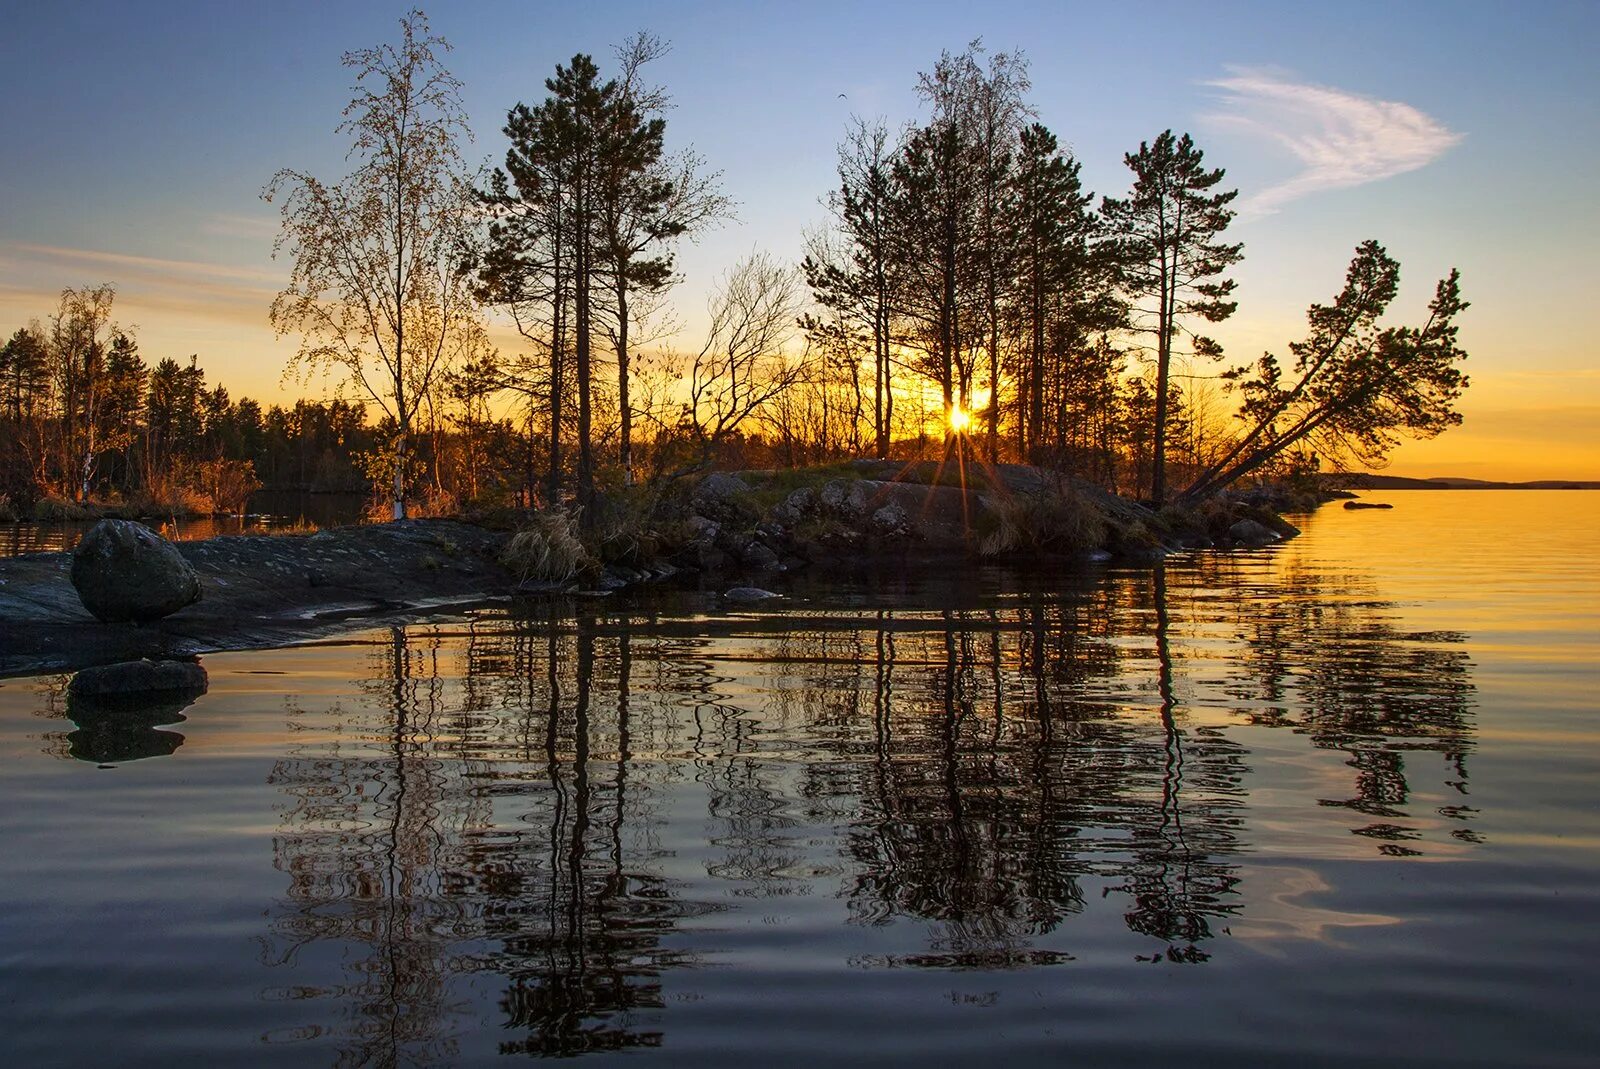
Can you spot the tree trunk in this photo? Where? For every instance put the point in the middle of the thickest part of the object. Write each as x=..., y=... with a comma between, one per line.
x=625, y=456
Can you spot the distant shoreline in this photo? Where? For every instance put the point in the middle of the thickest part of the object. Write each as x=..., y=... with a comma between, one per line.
x=1362, y=481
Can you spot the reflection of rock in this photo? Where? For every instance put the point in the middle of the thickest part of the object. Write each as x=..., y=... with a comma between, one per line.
x=124, y=571
x=115, y=729
x=138, y=678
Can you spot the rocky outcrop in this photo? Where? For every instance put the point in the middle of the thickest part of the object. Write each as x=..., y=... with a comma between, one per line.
x=125, y=572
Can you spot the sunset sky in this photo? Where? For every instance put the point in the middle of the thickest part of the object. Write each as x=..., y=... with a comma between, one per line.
x=137, y=138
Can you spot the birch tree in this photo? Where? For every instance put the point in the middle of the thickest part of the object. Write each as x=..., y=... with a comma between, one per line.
x=378, y=287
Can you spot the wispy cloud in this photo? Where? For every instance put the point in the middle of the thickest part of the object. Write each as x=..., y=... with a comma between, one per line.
x=1342, y=139
x=119, y=262
x=233, y=225
x=148, y=288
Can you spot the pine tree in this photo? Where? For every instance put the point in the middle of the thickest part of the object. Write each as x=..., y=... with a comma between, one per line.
x=1171, y=260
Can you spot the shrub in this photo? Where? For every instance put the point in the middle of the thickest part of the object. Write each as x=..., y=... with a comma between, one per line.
x=633, y=525
x=54, y=509
x=546, y=548
x=170, y=500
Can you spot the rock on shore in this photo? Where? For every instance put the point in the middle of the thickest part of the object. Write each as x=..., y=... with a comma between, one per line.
x=125, y=572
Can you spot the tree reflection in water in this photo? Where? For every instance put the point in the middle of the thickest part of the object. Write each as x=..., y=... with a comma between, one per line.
x=500, y=802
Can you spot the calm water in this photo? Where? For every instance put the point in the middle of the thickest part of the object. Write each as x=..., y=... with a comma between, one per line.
x=1330, y=804
x=268, y=511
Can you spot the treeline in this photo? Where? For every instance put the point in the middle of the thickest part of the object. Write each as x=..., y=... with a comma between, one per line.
x=85, y=418
x=966, y=293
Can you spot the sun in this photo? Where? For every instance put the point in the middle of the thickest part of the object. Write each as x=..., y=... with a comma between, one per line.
x=960, y=419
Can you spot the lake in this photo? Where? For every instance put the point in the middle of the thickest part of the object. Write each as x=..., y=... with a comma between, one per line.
x=268, y=511
x=1331, y=803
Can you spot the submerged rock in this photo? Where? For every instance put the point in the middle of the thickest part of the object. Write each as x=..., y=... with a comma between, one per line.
x=135, y=679
x=123, y=571
x=749, y=593
x=1367, y=505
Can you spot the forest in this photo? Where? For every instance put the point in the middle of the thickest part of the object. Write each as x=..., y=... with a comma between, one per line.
x=506, y=336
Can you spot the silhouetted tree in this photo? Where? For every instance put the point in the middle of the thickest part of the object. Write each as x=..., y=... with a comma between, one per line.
x=1167, y=236
x=1357, y=386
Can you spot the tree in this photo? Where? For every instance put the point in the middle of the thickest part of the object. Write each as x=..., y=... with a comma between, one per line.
x=79, y=335
x=24, y=373
x=1167, y=240
x=526, y=268
x=24, y=398
x=1063, y=288
x=549, y=251
x=743, y=366
x=988, y=108
x=855, y=283
x=378, y=285
x=646, y=200
x=123, y=400
x=936, y=251
x=1356, y=386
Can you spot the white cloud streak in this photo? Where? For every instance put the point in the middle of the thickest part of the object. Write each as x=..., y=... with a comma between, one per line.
x=1341, y=139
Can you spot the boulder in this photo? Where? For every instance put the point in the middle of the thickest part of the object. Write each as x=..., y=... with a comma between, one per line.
x=135, y=679
x=759, y=556
x=834, y=495
x=123, y=571
x=891, y=519
x=796, y=507
x=862, y=499
x=701, y=532
x=724, y=498
x=1251, y=533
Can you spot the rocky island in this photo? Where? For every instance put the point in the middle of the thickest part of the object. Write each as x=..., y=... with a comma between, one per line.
x=126, y=593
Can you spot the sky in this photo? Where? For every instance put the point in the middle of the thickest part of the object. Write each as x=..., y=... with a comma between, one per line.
x=137, y=139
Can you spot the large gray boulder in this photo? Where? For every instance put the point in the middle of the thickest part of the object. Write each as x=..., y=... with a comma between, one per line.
x=123, y=571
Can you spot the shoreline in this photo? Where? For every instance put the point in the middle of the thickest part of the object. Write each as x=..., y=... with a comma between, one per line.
x=261, y=591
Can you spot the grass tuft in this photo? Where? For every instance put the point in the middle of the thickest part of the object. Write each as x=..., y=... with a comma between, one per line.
x=547, y=548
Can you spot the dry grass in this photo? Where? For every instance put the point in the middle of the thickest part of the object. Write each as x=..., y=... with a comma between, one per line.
x=1042, y=523
x=428, y=504
x=547, y=548
x=170, y=501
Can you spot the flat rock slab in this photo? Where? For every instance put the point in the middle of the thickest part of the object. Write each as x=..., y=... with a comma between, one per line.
x=257, y=590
